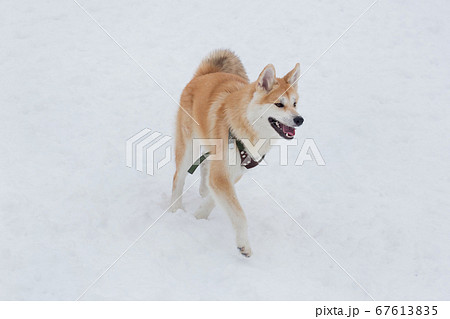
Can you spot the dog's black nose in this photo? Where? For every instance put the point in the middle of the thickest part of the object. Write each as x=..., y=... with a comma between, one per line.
x=298, y=120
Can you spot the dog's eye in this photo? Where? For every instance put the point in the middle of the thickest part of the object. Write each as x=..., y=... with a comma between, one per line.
x=295, y=104
x=279, y=104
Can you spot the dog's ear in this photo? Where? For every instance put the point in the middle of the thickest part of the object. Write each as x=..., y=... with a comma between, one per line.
x=293, y=76
x=266, y=79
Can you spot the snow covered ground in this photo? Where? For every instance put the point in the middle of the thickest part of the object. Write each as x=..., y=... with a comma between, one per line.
x=376, y=104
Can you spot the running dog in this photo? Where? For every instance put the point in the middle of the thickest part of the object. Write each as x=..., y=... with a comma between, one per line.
x=220, y=103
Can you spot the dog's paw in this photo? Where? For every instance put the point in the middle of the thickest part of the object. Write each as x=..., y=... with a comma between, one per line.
x=203, y=211
x=246, y=251
x=176, y=206
x=201, y=214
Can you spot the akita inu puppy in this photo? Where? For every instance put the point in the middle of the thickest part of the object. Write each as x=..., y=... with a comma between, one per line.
x=229, y=108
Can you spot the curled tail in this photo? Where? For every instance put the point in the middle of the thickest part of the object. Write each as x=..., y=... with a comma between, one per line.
x=222, y=60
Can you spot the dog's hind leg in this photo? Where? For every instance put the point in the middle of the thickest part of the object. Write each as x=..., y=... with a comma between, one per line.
x=225, y=195
x=183, y=160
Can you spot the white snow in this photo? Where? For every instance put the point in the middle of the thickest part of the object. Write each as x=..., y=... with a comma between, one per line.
x=376, y=104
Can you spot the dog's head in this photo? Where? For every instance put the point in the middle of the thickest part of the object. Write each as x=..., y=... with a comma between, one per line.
x=273, y=108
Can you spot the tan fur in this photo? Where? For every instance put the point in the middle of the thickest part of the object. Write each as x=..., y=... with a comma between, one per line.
x=218, y=98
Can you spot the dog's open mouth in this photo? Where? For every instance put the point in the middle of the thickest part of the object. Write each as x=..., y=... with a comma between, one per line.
x=284, y=131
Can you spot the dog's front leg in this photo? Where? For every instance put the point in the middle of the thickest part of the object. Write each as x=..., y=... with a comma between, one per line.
x=204, y=170
x=225, y=195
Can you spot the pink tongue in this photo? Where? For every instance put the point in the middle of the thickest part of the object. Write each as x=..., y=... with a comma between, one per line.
x=288, y=130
